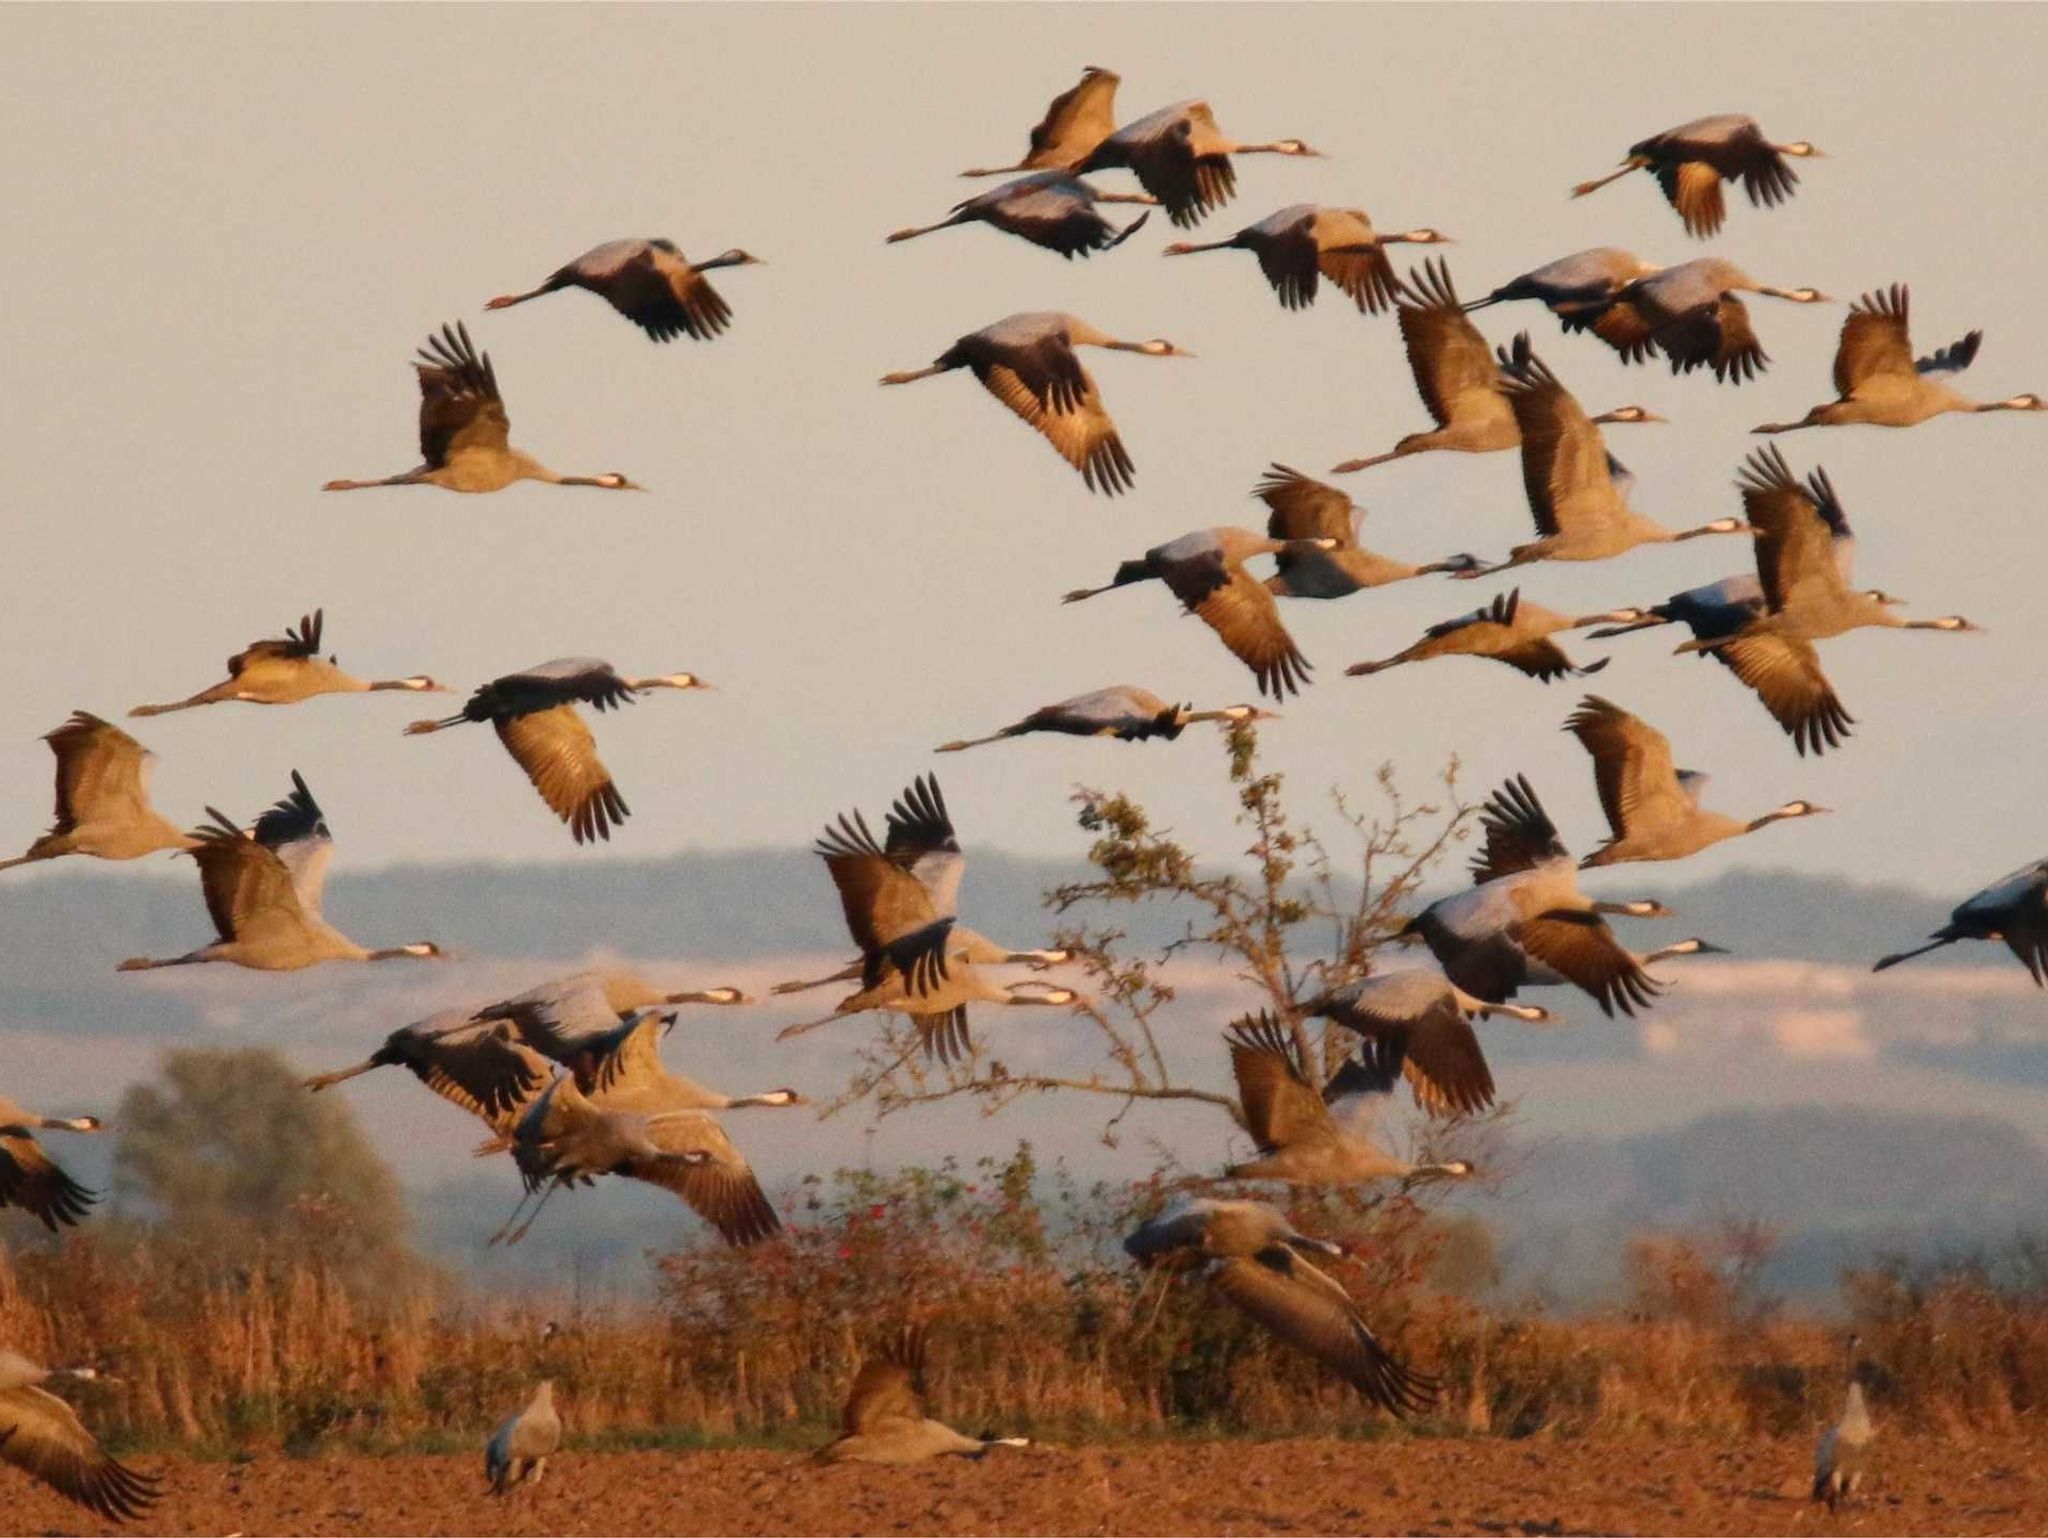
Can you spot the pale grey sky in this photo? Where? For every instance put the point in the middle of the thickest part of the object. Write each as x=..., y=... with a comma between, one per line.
x=231, y=227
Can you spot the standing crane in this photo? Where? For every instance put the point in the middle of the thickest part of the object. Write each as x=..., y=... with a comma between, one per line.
x=102, y=797
x=1591, y=277
x=263, y=890
x=519, y=1449
x=43, y=1437
x=651, y=283
x=534, y=714
x=1205, y=571
x=464, y=431
x=1182, y=158
x=1510, y=629
x=1078, y=119
x=885, y=1421
x=1878, y=380
x=1304, y=242
x=1653, y=808
x=1692, y=313
x=1123, y=711
x=1304, y=512
x=283, y=670
x=1048, y=208
x=1418, y=1023
x=1259, y=1262
x=1028, y=362
x=2013, y=909
x=1307, y=1134
x=29, y=1178
x=1456, y=375
x=1692, y=160
x=1842, y=1456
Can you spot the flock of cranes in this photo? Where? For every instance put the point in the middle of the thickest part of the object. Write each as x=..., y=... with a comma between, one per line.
x=569, y=1079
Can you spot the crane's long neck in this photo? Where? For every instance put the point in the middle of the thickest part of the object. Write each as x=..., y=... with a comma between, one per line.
x=169, y=706
x=998, y=170
x=2016, y=403
x=506, y=301
x=1367, y=463
x=1692, y=947
x=845, y=974
x=422, y=728
x=1189, y=248
x=1718, y=526
x=382, y=685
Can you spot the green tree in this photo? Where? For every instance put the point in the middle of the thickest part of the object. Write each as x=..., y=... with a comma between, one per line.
x=229, y=1154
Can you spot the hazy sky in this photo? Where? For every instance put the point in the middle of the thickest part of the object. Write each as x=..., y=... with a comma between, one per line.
x=231, y=227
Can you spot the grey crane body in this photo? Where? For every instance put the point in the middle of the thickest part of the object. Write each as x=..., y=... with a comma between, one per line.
x=1419, y=1025
x=1801, y=552
x=1570, y=283
x=285, y=670
x=1525, y=921
x=1303, y=243
x=1261, y=1264
x=1457, y=375
x=1182, y=158
x=1879, y=382
x=1783, y=671
x=2013, y=909
x=1579, y=504
x=1306, y=1132
x=263, y=888
x=43, y=1437
x=29, y=1178
x=1123, y=711
x=1653, y=808
x=650, y=282
x=464, y=429
x=1510, y=629
x=1047, y=208
x=568, y=1138
x=1842, y=1457
x=1205, y=570
x=1304, y=512
x=519, y=1449
x=1692, y=160
x=1028, y=362
x=102, y=802
x=534, y=714
x=1692, y=313
x=884, y=1420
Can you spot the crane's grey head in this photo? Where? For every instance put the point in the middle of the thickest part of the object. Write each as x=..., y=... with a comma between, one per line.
x=1949, y=622
x=79, y=1124
x=1534, y=1014
x=1802, y=150
x=613, y=480
x=1159, y=347
x=1801, y=808
x=1247, y=713
x=425, y=950
x=733, y=258
x=676, y=681
x=1458, y=1169
x=419, y=683
x=1295, y=147
x=1630, y=414
x=1796, y=295
x=781, y=1097
x=2026, y=402
x=1422, y=237
x=724, y=996
x=549, y=1330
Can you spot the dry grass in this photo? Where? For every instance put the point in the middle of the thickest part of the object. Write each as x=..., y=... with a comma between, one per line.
x=1039, y=1326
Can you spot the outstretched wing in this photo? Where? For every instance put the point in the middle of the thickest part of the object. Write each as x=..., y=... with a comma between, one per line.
x=1071, y=417
x=700, y=1164
x=889, y=1385
x=1305, y=508
x=1446, y=353
x=42, y=1436
x=1281, y=1105
x=31, y=1180
x=460, y=407
x=1242, y=612
x=558, y=753
x=100, y=769
x=1519, y=833
x=1309, y=1311
x=298, y=642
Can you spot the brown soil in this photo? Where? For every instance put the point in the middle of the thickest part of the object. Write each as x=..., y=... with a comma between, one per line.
x=1640, y=1485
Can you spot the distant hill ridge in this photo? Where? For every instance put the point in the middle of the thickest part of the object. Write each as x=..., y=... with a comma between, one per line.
x=749, y=903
